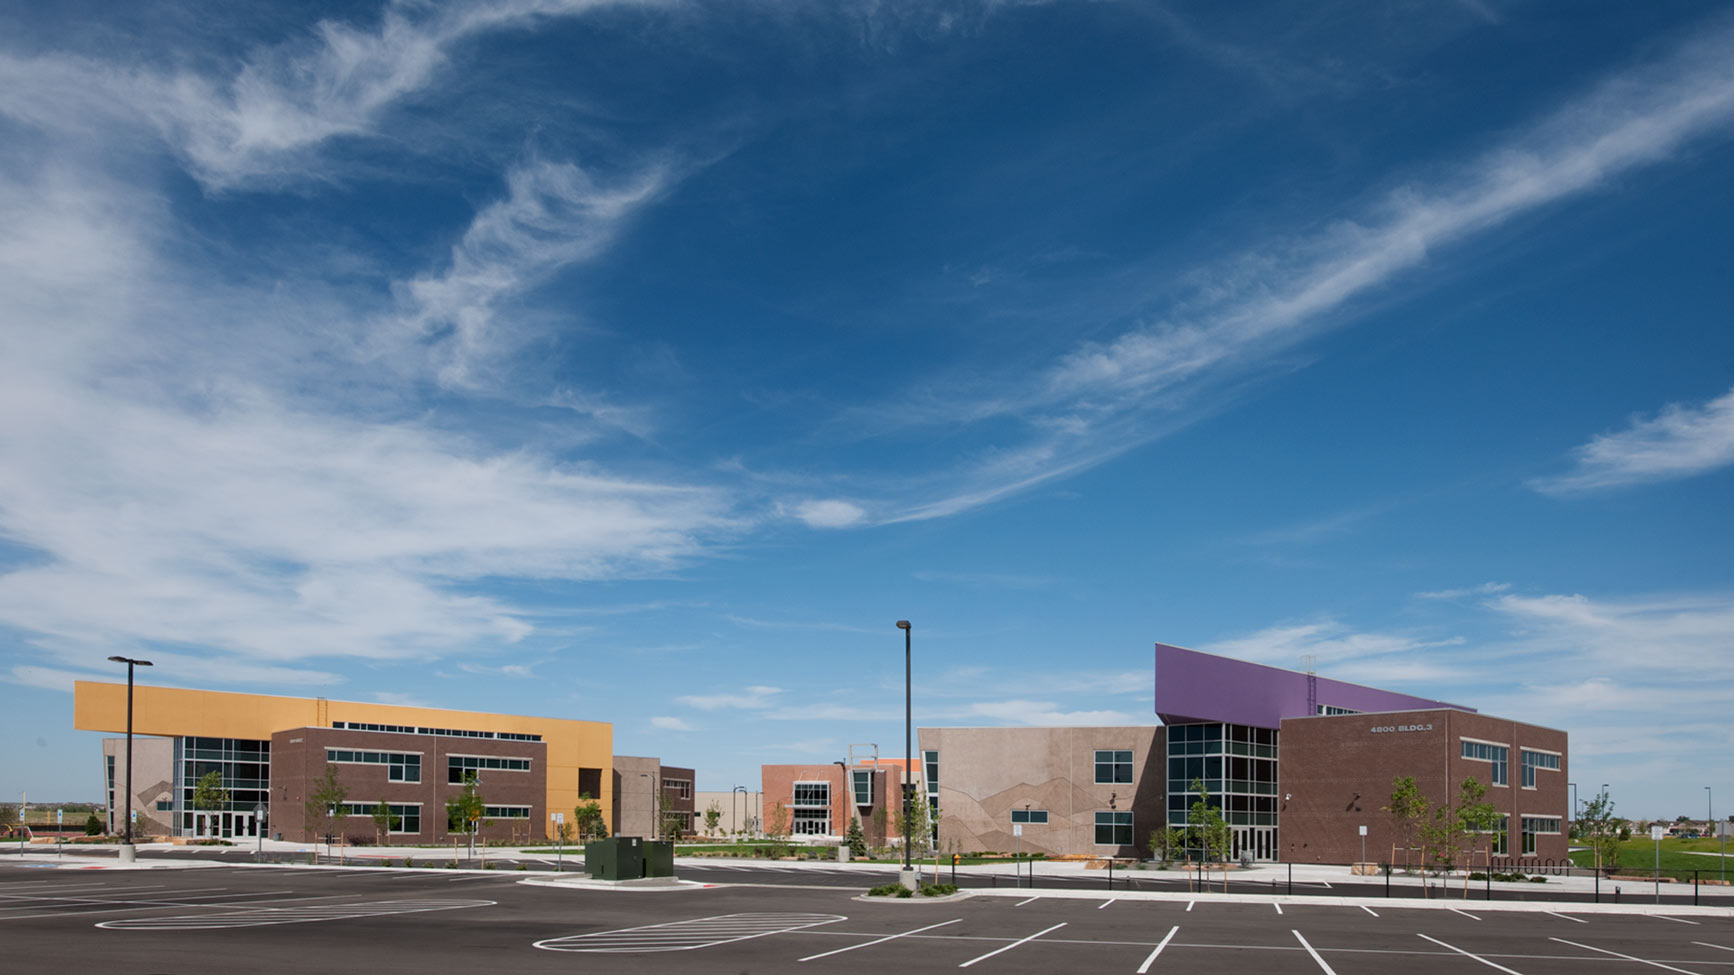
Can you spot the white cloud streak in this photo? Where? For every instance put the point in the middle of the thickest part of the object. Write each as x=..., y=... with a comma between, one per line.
x=1102, y=398
x=284, y=102
x=1680, y=442
x=665, y=723
x=755, y=698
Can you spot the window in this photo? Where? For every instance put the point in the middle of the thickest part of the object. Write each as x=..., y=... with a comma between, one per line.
x=458, y=766
x=1485, y=751
x=863, y=780
x=1533, y=760
x=404, y=729
x=682, y=788
x=506, y=812
x=400, y=766
x=1327, y=710
x=1113, y=829
x=930, y=764
x=1536, y=825
x=813, y=795
x=1113, y=767
x=1038, y=817
x=406, y=817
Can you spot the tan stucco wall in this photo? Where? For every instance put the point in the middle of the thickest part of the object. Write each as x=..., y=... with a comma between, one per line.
x=153, y=780
x=985, y=773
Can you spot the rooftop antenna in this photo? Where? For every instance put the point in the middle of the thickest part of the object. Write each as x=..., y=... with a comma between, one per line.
x=1310, y=662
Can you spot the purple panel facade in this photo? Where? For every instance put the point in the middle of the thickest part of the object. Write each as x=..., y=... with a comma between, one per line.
x=1193, y=687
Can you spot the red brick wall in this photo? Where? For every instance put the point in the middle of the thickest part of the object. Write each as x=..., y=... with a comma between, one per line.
x=779, y=787
x=1336, y=774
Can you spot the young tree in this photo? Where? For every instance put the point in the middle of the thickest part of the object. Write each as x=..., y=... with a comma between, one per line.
x=1207, y=830
x=855, y=839
x=384, y=822
x=1165, y=843
x=778, y=830
x=1461, y=826
x=1410, y=811
x=324, y=802
x=93, y=825
x=587, y=817
x=712, y=816
x=466, y=813
x=8, y=815
x=1600, y=830
x=209, y=794
x=921, y=824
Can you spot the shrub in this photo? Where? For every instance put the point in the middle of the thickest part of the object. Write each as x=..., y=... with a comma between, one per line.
x=938, y=890
x=888, y=890
x=1538, y=879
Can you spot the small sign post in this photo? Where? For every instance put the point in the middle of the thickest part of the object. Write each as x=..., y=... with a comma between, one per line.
x=1363, y=845
x=59, y=821
x=1656, y=835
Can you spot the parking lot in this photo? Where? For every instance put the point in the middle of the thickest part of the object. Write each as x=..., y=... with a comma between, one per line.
x=229, y=918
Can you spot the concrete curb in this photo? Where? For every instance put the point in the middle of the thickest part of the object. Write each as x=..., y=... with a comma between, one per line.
x=1371, y=903
x=619, y=886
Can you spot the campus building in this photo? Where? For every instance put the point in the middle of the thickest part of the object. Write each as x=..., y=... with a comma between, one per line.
x=270, y=750
x=1297, y=763
x=820, y=800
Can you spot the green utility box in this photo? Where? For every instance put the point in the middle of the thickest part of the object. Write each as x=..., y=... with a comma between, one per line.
x=616, y=858
x=658, y=859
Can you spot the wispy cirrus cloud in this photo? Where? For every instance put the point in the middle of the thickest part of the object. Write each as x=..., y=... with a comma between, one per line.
x=1102, y=398
x=553, y=215
x=1680, y=442
x=1348, y=653
x=267, y=119
x=755, y=698
x=667, y=723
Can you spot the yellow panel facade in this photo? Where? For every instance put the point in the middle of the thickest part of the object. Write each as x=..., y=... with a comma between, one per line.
x=173, y=711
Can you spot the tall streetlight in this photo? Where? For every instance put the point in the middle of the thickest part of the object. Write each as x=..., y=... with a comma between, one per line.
x=907, y=877
x=739, y=817
x=127, y=852
x=1710, y=812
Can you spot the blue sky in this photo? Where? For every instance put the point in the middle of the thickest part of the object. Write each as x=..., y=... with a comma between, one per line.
x=644, y=362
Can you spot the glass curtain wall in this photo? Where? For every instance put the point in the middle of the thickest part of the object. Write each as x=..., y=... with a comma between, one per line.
x=1237, y=765
x=246, y=768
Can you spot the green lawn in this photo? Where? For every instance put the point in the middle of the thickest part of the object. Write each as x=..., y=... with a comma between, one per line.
x=1639, y=856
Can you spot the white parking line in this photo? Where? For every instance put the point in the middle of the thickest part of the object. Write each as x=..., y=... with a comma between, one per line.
x=1189, y=906
x=1310, y=951
x=1277, y=906
x=1709, y=945
x=1465, y=914
x=1158, y=950
x=1567, y=917
x=688, y=935
x=1022, y=903
x=264, y=916
x=1478, y=958
x=1368, y=910
x=1014, y=944
x=1679, y=919
x=1106, y=903
x=1616, y=954
x=889, y=937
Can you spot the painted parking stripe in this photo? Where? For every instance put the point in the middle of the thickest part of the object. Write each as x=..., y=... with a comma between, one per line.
x=889, y=937
x=1022, y=903
x=1567, y=917
x=704, y=932
x=1189, y=906
x=1478, y=958
x=1709, y=945
x=1679, y=919
x=1368, y=910
x=266, y=916
x=1310, y=951
x=1465, y=914
x=1158, y=950
x=1644, y=961
x=1277, y=906
x=1014, y=944
x=1106, y=903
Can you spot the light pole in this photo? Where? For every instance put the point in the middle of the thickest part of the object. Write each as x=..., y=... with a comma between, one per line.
x=740, y=822
x=127, y=852
x=907, y=877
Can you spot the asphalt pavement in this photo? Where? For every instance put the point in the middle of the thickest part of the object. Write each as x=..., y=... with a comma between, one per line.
x=228, y=918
